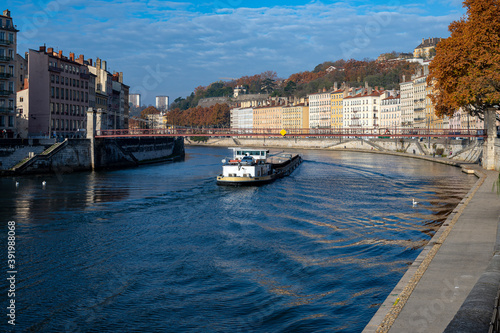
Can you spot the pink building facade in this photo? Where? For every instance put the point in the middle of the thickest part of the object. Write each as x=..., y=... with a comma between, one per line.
x=58, y=94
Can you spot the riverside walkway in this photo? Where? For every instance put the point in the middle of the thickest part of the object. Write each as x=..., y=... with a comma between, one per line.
x=434, y=288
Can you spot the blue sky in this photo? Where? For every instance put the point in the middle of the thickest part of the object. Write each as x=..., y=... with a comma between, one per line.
x=171, y=47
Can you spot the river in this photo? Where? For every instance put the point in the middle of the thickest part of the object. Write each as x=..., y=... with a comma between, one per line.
x=162, y=248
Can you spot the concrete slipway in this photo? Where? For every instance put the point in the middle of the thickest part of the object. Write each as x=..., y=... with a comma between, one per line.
x=460, y=257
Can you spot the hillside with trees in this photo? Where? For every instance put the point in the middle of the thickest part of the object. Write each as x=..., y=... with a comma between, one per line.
x=386, y=74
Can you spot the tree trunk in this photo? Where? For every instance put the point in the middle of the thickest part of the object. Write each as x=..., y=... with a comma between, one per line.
x=489, y=162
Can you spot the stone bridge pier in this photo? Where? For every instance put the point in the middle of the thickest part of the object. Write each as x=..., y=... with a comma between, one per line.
x=491, y=150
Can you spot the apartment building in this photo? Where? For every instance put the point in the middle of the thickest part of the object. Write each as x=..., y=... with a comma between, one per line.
x=419, y=101
x=269, y=117
x=337, y=98
x=362, y=109
x=55, y=98
x=119, y=101
x=8, y=75
x=407, y=101
x=390, y=112
x=241, y=118
x=296, y=117
x=320, y=110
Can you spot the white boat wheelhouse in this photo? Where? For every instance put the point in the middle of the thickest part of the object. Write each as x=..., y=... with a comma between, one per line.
x=247, y=162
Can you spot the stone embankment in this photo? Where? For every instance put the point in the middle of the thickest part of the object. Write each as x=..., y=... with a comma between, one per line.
x=80, y=155
x=454, y=150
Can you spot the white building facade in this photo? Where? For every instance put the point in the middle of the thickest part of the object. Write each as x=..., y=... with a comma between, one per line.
x=241, y=118
x=407, y=102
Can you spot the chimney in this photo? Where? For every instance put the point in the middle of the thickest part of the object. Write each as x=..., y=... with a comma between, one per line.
x=404, y=78
x=6, y=13
x=422, y=40
x=26, y=83
x=335, y=86
x=60, y=54
x=71, y=56
x=50, y=50
x=104, y=65
x=42, y=49
x=80, y=59
x=120, y=79
x=98, y=63
x=90, y=61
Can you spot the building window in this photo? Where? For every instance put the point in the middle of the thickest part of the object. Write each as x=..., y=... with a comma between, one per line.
x=57, y=78
x=11, y=121
x=52, y=78
x=11, y=37
x=51, y=107
x=57, y=92
x=2, y=121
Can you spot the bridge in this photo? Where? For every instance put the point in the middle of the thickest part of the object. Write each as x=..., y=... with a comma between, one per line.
x=304, y=132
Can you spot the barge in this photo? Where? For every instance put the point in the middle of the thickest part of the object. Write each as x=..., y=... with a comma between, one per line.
x=250, y=166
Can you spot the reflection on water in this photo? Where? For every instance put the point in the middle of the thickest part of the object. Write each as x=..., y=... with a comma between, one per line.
x=162, y=248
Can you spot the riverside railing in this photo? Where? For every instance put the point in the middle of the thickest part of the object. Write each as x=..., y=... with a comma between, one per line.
x=296, y=132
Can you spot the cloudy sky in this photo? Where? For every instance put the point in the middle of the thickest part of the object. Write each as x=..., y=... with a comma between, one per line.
x=171, y=47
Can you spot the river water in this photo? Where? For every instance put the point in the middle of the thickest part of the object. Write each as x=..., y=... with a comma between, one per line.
x=162, y=248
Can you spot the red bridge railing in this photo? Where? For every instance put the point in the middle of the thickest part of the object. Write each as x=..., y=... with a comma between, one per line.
x=304, y=132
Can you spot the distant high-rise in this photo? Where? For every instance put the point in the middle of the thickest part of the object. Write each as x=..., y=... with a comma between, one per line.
x=135, y=99
x=162, y=103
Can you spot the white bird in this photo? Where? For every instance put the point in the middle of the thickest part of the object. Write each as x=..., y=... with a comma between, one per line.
x=44, y=183
x=17, y=184
x=414, y=202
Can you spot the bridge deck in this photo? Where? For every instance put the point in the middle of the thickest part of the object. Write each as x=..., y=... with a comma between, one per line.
x=305, y=133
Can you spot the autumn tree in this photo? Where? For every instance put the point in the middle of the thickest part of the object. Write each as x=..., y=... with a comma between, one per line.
x=149, y=110
x=466, y=69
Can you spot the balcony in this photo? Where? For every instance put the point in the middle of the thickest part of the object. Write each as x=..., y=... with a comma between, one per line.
x=6, y=110
x=9, y=27
x=5, y=42
x=6, y=92
x=55, y=69
x=5, y=59
x=5, y=75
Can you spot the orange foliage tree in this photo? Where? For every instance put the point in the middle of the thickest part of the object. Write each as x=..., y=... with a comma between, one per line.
x=466, y=69
x=217, y=115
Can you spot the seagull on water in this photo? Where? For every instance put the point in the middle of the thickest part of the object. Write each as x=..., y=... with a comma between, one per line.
x=17, y=184
x=414, y=202
x=44, y=183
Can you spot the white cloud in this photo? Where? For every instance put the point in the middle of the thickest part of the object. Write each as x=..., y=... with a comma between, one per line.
x=194, y=49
